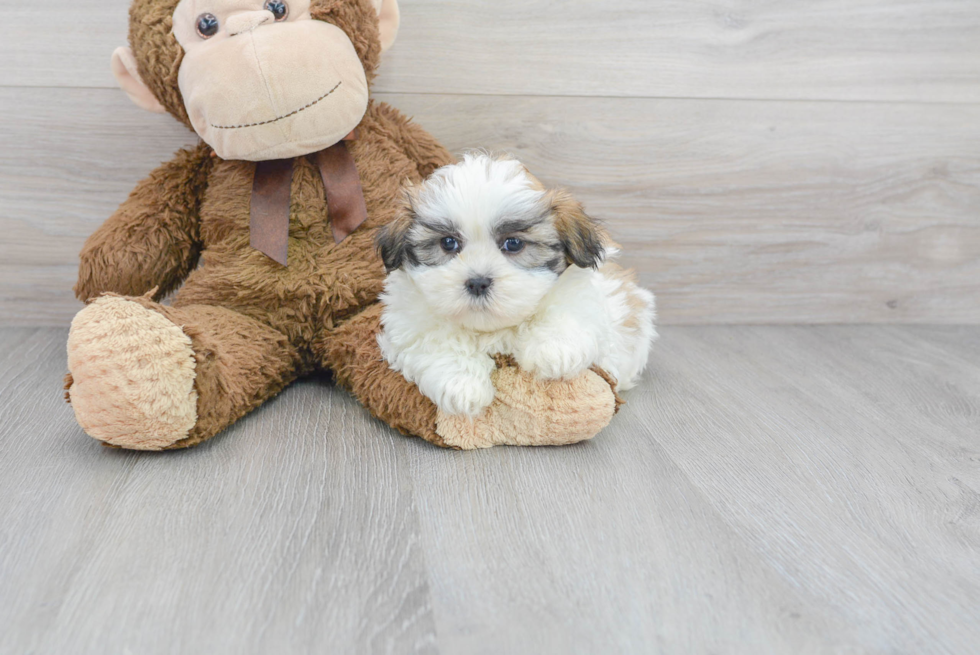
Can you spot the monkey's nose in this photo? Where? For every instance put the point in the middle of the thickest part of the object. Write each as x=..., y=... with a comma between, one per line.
x=478, y=286
x=246, y=21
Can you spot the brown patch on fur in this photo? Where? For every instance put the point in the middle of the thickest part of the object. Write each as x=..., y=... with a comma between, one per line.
x=627, y=277
x=606, y=240
x=536, y=184
x=637, y=307
x=580, y=234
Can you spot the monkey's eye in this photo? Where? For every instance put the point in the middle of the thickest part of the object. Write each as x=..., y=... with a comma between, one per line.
x=278, y=9
x=449, y=244
x=207, y=25
x=513, y=245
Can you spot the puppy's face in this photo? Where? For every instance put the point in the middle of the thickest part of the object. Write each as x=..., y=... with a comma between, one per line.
x=484, y=241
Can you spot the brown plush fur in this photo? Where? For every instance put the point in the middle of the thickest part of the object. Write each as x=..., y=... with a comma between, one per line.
x=254, y=326
x=154, y=239
x=634, y=300
x=158, y=55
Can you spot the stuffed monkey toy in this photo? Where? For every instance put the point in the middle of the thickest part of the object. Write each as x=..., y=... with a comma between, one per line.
x=266, y=232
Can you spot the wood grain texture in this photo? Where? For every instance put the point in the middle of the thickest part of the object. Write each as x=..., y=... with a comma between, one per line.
x=765, y=490
x=818, y=447
x=733, y=211
x=761, y=212
x=295, y=534
x=910, y=50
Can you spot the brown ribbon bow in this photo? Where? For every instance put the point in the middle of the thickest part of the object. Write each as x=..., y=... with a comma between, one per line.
x=269, y=221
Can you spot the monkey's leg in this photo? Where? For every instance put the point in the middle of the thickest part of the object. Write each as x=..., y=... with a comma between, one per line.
x=351, y=351
x=526, y=411
x=145, y=376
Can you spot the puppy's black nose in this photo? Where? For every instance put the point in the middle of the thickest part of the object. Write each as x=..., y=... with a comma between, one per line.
x=478, y=286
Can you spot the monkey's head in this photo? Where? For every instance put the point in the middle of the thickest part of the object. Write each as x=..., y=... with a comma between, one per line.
x=257, y=79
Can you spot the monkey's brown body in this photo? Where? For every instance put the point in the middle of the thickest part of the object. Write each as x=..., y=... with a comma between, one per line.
x=255, y=325
x=242, y=327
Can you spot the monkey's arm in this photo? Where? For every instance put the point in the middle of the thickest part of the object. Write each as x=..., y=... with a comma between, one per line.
x=424, y=150
x=153, y=239
x=420, y=146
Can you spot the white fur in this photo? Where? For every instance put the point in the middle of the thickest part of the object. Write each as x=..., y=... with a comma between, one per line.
x=556, y=326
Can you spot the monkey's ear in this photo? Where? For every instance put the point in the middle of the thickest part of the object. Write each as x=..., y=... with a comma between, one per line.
x=125, y=71
x=580, y=234
x=392, y=240
x=389, y=19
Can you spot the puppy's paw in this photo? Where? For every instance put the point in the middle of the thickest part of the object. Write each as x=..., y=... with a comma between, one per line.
x=466, y=395
x=556, y=360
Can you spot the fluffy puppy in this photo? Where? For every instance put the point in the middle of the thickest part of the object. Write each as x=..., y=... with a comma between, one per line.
x=484, y=260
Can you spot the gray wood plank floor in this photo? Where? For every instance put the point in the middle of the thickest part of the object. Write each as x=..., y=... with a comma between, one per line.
x=765, y=490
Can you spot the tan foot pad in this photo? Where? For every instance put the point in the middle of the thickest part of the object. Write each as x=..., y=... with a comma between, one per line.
x=132, y=375
x=532, y=412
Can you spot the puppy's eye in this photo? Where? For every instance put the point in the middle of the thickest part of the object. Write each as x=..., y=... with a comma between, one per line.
x=449, y=244
x=207, y=25
x=513, y=245
x=278, y=8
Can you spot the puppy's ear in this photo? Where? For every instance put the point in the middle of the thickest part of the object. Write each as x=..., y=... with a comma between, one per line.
x=580, y=234
x=392, y=239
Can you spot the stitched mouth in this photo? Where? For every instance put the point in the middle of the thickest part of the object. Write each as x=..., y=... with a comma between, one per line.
x=283, y=117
